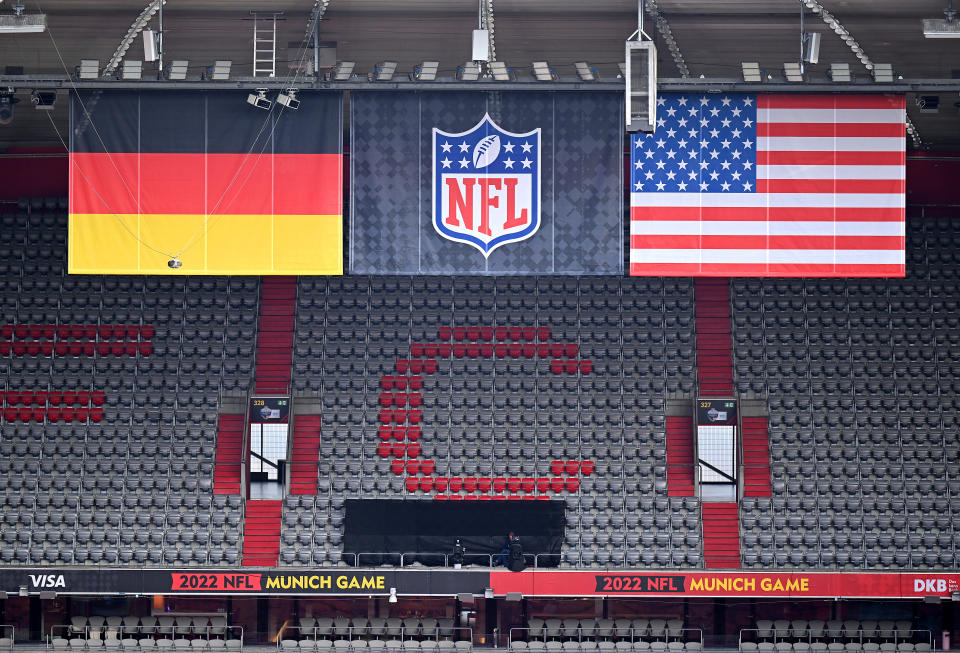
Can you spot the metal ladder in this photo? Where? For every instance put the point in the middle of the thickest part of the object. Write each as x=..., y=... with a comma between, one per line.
x=265, y=43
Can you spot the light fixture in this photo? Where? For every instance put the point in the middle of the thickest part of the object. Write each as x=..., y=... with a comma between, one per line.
x=131, y=69
x=839, y=72
x=259, y=99
x=149, y=45
x=7, y=101
x=543, y=72
x=812, y=52
x=89, y=69
x=586, y=72
x=514, y=596
x=931, y=599
x=221, y=70
x=751, y=72
x=793, y=71
x=47, y=596
x=174, y=264
x=383, y=72
x=24, y=591
x=21, y=23
x=488, y=593
x=882, y=72
x=178, y=70
x=426, y=72
x=500, y=71
x=622, y=67
x=343, y=70
x=393, y=595
x=44, y=100
x=943, y=28
x=469, y=72
x=289, y=99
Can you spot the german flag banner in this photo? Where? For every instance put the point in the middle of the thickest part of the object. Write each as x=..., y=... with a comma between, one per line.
x=194, y=182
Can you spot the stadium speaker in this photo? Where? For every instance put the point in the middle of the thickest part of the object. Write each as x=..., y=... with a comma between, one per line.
x=6, y=107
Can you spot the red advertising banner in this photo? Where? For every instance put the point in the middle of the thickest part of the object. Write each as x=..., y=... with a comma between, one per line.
x=726, y=584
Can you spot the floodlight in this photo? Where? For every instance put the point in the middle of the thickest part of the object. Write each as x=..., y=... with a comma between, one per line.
x=131, y=69
x=882, y=72
x=343, y=70
x=259, y=99
x=221, y=70
x=793, y=71
x=751, y=72
x=383, y=72
x=481, y=45
x=289, y=99
x=393, y=595
x=21, y=23
x=149, y=45
x=812, y=53
x=178, y=70
x=500, y=71
x=89, y=69
x=468, y=72
x=426, y=72
x=622, y=67
x=839, y=72
x=44, y=100
x=174, y=264
x=24, y=591
x=586, y=72
x=543, y=72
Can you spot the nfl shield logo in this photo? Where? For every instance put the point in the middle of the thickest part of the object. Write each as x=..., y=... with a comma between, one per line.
x=486, y=185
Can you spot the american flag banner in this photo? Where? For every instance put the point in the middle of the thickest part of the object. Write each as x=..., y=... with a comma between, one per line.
x=770, y=185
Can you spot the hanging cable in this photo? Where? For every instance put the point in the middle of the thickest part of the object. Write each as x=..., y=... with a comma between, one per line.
x=663, y=27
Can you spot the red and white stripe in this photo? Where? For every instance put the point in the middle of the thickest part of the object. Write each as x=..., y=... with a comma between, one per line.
x=829, y=200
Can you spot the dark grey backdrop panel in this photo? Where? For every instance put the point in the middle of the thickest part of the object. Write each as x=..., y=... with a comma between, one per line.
x=581, y=230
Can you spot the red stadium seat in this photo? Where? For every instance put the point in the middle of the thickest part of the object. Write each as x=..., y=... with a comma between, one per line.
x=399, y=433
x=573, y=484
x=397, y=467
x=385, y=433
x=413, y=450
x=513, y=485
x=572, y=467
x=543, y=350
x=415, y=366
x=428, y=467
x=106, y=332
x=402, y=366
x=118, y=348
x=529, y=485
x=556, y=467
x=515, y=349
x=414, y=416
x=570, y=350
x=486, y=350
x=398, y=450
x=26, y=398
x=586, y=467
x=416, y=349
x=53, y=415
x=400, y=382
x=413, y=467
x=21, y=331
x=96, y=414
x=19, y=348
x=83, y=414
x=556, y=484
x=556, y=366
x=486, y=333
x=441, y=483
x=131, y=348
x=33, y=348
x=413, y=433
x=501, y=333
x=470, y=484
x=133, y=332
x=63, y=332
x=543, y=334
x=61, y=348
x=416, y=383
x=440, y=497
x=543, y=485
x=90, y=332
x=55, y=398
x=386, y=382
x=5, y=348
x=499, y=484
x=571, y=367
x=10, y=414
x=426, y=484
x=13, y=398
x=103, y=349
x=459, y=333
x=386, y=399
x=473, y=350
x=473, y=333
x=76, y=348
x=386, y=416
x=46, y=348
x=556, y=350
x=36, y=331
x=430, y=366
x=412, y=484
x=444, y=350
x=400, y=399
x=456, y=484
x=415, y=400
x=6, y=331
x=40, y=397
x=430, y=350
x=586, y=367
x=529, y=350
x=516, y=334
x=500, y=350
x=529, y=334
x=399, y=416
x=89, y=348
x=39, y=414
x=83, y=398
x=444, y=333
x=49, y=331
x=383, y=449
x=69, y=398
x=25, y=414
x=484, y=484
x=147, y=331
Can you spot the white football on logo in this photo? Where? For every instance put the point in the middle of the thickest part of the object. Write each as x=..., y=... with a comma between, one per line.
x=486, y=151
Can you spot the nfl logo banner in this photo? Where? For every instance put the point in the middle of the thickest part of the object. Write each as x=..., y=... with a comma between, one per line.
x=495, y=171
x=486, y=183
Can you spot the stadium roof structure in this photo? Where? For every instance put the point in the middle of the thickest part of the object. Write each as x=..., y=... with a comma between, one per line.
x=713, y=37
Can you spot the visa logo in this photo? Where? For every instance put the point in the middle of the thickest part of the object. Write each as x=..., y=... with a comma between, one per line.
x=47, y=581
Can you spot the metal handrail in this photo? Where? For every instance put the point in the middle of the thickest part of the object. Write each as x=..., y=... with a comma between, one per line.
x=384, y=630
x=664, y=634
x=808, y=635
